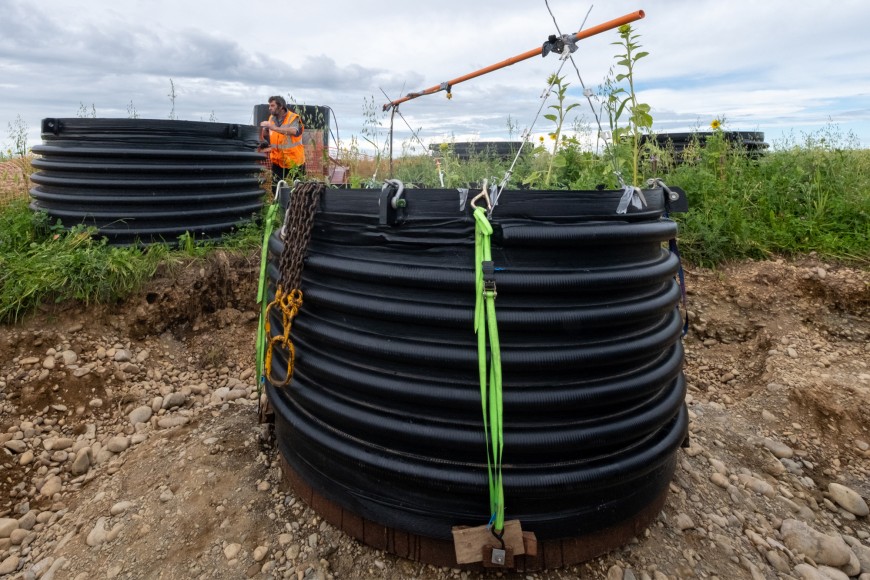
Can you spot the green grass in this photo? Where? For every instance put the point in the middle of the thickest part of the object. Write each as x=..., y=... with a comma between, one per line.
x=41, y=262
x=806, y=196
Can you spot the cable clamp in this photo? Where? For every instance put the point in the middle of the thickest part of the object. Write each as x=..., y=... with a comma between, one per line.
x=558, y=44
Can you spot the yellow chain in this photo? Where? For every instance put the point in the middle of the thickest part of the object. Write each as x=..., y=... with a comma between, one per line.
x=289, y=304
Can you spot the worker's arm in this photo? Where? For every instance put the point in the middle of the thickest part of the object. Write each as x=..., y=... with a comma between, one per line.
x=293, y=129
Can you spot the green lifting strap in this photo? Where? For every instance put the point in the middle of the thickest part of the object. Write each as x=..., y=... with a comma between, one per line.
x=491, y=389
x=261, y=291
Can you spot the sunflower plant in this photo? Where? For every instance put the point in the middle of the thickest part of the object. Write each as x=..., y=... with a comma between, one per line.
x=621, y=98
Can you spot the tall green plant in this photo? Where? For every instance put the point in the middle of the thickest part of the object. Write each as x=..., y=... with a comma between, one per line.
x=558, y=117
x=623, y=97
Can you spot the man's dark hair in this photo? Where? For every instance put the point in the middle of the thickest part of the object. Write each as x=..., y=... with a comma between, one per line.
x=279, y=100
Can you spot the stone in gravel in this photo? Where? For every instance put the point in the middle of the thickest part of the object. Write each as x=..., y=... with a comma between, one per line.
x=284, y=539
x=169, y=422
x=31, y=360
x=82, y=463
x=142, y=356
x=853, y=568
x=263, y=486
x=58, y=564
x=27, y=521
x=138, y=438
x=615, y=573
x=832, y=573
x=16, y=446
x=236, y=394
x=683, y=522
x=82, y=371
x=97, y=535
x=61, y=443
x=718, y=466
x=118, y=444
x=848, y=499
x=59, y=457
x=779, y=449
x=122, y=355
x=17, y=536
x=312, y=540
x=140, y=415
x=102, y=455
x=293, y=552
x=821, y=548
x=720, y=480
x=166, y=495
x=772, y=467
x=792, y=352
x=48, y=363
x=807, y=572
x=861, y=551
x=69, y=357
x=38, y=569
x=219, y=395
x=260, y=553
x=232, y=550
x=26, y=458
x=51, y=486
x=778, y=561
x=120, y=507
x=9, y=565
x=173, y=400
x=114, y=532
x=130, y=368
x=95, y=403
x=6, y=527
x=759, y=486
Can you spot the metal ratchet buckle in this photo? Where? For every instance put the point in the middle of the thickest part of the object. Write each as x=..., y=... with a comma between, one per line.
x=488, y=267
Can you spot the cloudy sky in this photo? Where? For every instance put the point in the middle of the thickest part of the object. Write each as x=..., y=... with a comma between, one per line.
x=781, y=67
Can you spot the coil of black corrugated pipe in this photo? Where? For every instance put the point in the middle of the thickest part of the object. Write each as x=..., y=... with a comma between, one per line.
x=383, y=415
x=147, y=180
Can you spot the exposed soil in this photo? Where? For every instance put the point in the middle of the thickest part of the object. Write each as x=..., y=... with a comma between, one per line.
x=779, y=397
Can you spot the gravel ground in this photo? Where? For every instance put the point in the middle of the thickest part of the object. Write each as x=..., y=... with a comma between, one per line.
x=130, y=447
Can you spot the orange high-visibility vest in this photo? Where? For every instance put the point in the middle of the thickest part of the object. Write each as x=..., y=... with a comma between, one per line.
x=287, y=151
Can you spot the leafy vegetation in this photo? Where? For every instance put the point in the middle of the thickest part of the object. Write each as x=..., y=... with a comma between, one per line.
x=42, y=262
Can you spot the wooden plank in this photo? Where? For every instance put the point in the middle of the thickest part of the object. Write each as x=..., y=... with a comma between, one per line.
x=468, y=543
x=352, y=524
x=530, y=543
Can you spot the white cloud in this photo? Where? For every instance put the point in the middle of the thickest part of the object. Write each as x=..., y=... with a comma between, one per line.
x=763, y=65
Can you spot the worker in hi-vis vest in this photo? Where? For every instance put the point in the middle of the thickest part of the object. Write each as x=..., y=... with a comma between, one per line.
x=284, y=133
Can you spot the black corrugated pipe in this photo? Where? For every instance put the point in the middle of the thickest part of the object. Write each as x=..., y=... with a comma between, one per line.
x=146, y=180
x=383, y=415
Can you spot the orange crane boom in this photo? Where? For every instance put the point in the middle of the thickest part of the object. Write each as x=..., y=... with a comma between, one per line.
x=609, y=25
